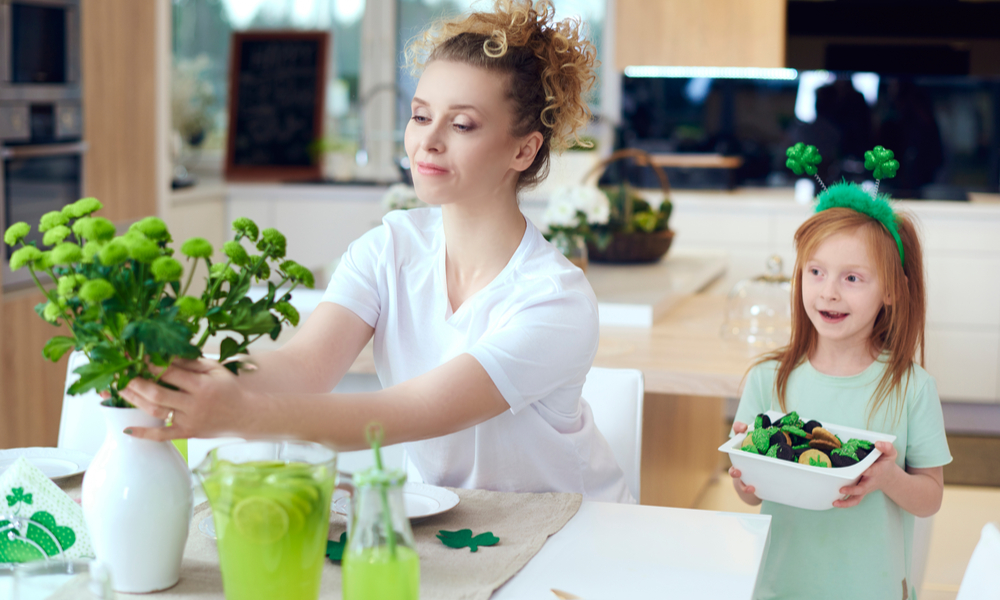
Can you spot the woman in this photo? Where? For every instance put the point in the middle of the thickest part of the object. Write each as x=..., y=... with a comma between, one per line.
x=483, y=332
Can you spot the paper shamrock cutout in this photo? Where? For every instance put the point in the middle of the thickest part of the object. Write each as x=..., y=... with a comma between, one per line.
x=463, y=538
x=880, y=161
x=17, y=495
x=15, y=547
x=335, y=550
x=803, y=159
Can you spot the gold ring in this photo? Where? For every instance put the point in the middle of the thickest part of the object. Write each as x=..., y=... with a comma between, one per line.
x=170, y=419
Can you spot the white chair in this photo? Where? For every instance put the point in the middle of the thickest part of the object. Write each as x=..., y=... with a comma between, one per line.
x=616, y=399
x=81, y=426
x=982, y=576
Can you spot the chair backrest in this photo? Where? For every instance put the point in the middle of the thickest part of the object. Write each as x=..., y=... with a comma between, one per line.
x=615, y=397
x=81, y=426
x=982, y=576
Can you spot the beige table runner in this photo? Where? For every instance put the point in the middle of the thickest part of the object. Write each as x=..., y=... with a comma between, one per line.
x=522, y=522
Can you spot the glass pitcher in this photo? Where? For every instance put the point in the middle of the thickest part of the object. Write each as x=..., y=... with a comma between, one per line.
x=380, y=560
x=271, y=507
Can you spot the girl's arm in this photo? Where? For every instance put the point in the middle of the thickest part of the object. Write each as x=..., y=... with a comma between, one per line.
x=212, y=402
x=917, y=491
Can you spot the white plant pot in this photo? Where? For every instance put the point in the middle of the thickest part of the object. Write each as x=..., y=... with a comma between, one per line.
x=137, y=505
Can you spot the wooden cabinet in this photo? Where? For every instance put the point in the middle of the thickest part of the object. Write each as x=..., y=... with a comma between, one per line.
x=124, y=47
x=706, y=33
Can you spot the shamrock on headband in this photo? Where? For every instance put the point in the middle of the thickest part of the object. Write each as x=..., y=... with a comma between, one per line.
x=803, y=159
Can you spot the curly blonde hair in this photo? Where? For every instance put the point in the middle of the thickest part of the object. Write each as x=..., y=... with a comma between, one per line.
x=551, y=69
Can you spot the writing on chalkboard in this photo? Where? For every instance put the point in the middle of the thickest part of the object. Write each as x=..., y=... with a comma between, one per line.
x=276, y=100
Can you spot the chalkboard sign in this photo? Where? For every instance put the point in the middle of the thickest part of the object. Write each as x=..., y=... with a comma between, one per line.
x=276, y=85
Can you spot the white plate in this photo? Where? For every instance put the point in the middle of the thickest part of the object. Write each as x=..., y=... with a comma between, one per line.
x=421, y=500
x=55, y=463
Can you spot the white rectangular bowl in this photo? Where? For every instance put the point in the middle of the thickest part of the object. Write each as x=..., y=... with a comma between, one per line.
x=801, y=486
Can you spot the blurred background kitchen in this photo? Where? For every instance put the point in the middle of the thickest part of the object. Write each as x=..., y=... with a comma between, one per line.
x=130, y=101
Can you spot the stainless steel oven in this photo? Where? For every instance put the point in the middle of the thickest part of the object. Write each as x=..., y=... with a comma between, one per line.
x=34, y=181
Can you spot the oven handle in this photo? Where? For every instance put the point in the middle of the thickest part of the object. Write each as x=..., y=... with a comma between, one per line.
x=46, y=150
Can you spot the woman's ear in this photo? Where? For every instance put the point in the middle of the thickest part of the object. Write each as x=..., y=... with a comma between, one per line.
x=527, y=150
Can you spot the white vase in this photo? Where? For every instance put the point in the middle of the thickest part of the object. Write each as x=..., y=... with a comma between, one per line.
x=137, y=505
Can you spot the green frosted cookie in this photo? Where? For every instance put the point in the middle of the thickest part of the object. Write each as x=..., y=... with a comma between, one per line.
x=772, y=451
x=762, y=438
x=751, y=449
x=847, y=449
x=790, y=420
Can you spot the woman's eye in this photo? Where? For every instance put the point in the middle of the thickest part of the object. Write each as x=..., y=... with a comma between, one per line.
x=420, y=118
x=463, y=127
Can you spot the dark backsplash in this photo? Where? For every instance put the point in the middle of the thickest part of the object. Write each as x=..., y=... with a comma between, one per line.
x=945, y=131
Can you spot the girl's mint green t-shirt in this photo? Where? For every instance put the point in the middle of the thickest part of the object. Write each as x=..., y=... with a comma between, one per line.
x=858, y=552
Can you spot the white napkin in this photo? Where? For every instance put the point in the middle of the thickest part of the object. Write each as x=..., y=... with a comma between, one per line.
x=37, y=519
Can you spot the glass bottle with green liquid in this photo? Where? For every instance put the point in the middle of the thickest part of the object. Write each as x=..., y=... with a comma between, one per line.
x=380, y=560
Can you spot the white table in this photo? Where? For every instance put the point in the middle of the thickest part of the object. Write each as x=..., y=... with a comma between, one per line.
x=616, y=551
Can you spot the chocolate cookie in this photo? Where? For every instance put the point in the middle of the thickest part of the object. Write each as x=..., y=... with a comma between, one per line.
x=822, y=435
x=797, y=435
x=784, y=453
x=781, y=437
x=810, y=425
x=815, y=458
x=762, y=421
x=842, y=460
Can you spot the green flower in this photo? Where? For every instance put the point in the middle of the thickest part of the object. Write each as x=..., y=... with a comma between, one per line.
x=52, y=312
x=56, y=235
x=96, y=291
x=153, y=228
x=288, y=311
x=246, y=227
x=264, y=272
x=167, y=269
x=143, y=250
x=82, y=208
x=189, y=306
x=66, y=253
x=803, y=159
x=16, y=232
x=273, y=238
x=880, y=161
x=67, y=285
x=91, y=249
x=45, y=262
x=94, y=229
x=224, y=271
x=115, y=252
x=298, y=273
x=236, y=253
x=197, y=248
x=52, y=219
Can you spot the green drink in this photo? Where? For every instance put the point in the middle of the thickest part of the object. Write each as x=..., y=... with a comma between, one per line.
x=374, y=573
x=271, y=523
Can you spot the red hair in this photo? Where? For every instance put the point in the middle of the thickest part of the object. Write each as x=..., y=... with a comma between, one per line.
x=899, y=326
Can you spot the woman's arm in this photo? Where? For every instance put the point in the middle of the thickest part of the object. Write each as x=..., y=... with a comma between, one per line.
x=211, y=402
x=315, y=359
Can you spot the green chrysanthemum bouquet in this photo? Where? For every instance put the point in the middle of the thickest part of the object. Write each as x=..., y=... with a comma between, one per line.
x=124, y=298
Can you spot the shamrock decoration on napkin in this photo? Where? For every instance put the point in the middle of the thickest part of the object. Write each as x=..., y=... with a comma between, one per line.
x=463, y=538
x=335, y=549
x=881, y=162
x=37, y=519
x=803, y=159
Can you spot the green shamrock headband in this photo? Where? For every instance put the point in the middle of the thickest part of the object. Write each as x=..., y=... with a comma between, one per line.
x=802, y=159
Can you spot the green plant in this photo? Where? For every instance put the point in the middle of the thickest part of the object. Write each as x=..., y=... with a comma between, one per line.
x=631, y=213
x=123, y=301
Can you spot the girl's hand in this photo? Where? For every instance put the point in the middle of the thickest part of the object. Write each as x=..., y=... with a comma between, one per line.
x=207, y=403
x=883, y=473
x=746, y=492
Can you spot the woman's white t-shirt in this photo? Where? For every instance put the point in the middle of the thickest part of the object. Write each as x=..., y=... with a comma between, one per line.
x=534, y=329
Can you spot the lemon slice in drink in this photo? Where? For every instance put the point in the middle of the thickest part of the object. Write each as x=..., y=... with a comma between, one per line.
x=261, y=520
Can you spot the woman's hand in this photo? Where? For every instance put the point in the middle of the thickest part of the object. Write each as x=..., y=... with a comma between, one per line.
x=208, y=402
x=746, y=492
x=883, y=473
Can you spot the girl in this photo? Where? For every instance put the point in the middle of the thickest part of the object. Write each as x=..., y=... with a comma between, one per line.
x=483, y=332
x=857, y=324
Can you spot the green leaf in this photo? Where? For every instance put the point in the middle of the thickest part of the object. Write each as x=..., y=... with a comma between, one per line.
x=463, y=538
x=96, y=376
x=228, y=347
x=254, y=323
x=169, y=338
x=56, y=347
x=335, y=550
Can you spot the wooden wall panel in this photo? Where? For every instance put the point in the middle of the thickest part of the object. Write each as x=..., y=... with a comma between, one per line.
x=31, y=387
x=704, y=33
x=119, y=58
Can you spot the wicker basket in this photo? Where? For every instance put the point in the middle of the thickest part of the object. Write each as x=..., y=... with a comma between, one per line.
x=634, y=246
